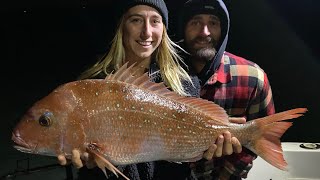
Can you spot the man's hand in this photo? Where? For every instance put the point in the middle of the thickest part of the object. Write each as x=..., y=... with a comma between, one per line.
x=78, y=160
x=225, y=144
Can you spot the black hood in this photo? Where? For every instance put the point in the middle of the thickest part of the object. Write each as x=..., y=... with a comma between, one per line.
x=215, y=7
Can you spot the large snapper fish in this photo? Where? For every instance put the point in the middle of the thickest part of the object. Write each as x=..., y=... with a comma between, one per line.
x=125, y=118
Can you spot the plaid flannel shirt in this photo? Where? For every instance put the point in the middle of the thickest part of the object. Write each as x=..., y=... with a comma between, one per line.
x=242, y=88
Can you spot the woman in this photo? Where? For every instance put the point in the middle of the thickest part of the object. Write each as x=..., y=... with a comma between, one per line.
x=141, y=38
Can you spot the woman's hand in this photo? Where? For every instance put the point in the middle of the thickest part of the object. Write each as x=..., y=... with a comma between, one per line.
x=77, y=159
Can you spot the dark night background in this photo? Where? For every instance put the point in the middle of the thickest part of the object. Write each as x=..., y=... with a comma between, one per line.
x=47, y=43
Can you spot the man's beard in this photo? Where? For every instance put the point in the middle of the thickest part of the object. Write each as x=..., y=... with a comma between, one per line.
x=204, y=55
x=201, y=57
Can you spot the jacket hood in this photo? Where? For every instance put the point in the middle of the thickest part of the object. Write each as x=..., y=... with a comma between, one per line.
x=215, y=7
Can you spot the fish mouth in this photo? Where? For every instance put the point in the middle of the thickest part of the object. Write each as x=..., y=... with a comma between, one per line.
x=19, y=143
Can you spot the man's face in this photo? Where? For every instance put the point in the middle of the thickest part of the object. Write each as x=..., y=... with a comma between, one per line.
x=202, y=31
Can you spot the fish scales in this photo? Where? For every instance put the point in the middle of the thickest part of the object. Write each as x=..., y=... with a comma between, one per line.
x=127, y=119
x=144, y=124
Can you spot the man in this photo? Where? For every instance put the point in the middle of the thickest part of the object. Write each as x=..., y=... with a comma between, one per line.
x=240, y=86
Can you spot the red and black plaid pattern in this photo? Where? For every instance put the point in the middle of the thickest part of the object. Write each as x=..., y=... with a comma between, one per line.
x=242, y=88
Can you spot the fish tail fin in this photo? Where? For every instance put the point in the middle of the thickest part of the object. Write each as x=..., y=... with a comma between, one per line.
x=103, y=163
x=268, y=145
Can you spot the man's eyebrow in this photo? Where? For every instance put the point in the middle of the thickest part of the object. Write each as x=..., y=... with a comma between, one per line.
x=198, y=17
x=214, y=17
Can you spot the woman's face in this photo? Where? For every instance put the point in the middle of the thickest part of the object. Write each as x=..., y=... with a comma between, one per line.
x=142, y=32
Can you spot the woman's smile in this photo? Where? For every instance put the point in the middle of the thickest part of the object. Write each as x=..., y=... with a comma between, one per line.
x=145, y=43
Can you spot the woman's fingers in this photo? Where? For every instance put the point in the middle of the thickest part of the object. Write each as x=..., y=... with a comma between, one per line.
x=62, y=160
x=76, y=160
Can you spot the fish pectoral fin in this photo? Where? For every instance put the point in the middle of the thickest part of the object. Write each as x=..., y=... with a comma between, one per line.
x=102, y=162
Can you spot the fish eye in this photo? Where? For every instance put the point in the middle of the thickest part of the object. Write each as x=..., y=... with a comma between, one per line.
x=45, y=119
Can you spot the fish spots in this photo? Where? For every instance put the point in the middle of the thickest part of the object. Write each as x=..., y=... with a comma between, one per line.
x=97, y=93
x=199, y=118
x=146, y=121
x=153, y=99
x=118, y=105
x=115, y=91
x=90, y=113
x=192, y=132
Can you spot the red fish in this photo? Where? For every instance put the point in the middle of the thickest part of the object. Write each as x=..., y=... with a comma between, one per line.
x=126, y=119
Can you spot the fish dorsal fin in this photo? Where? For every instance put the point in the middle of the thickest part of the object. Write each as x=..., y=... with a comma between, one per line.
x=128, y=75
x=214, y=111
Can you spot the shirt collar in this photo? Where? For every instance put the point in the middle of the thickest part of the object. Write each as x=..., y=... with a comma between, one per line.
x=222, y=74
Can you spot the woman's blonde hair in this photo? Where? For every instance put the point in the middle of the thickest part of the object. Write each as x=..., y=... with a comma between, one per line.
x=166, y=55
